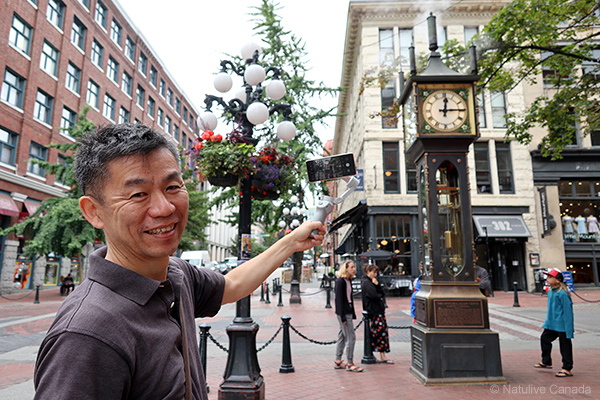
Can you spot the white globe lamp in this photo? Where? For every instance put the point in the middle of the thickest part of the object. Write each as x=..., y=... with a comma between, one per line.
x=240, y=94
x=286, y=131
x=295, y=223
x=276, y=89
x=254, y=74
x=282, y=224
x=223, y=82
x=208, y=120
x=285, y=211
x=248, y=50
x=294, y=199
x=257, y=113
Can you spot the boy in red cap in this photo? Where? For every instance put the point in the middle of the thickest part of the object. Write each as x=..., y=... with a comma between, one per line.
x=559, y=324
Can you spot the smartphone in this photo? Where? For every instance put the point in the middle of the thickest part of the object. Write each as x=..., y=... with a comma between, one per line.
x=334, y=167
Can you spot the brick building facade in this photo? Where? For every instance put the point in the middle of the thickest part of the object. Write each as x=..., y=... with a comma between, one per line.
x=56, y=56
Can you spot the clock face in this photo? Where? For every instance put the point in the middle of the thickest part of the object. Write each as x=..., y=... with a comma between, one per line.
x=445, y=110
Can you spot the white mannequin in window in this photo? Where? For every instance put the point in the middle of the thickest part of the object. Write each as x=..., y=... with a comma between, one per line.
x=581, y=228
x=568, y=229
x=592, y=222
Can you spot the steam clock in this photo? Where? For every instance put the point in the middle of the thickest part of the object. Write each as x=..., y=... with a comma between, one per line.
x=451, y=341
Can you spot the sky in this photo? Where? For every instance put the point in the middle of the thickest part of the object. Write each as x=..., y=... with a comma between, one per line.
x=191, y=37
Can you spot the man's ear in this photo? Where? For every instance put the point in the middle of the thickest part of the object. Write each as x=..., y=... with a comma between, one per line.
x=89, y=208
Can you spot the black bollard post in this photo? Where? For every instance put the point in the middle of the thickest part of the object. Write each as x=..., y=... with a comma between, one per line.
x=286, y=355
x=37, y=295
x=204, y=328
x=280, y=290
x=328, y=290
x=516, y=295
x=368, y=357
x=267, y=301
x=262, y=292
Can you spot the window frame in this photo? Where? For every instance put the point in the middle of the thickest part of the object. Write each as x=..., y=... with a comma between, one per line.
x=36, y=169
x=387, y=179
x=125, y=116
x=97, y=55
x=495, y=108
x=73, y=82
x=153, y=78
x=43, y=109
x=150, y=107
x=78, y=36
x=45, y=57
x=102, y=12
x=109, y=104
x=20, y=91
x=90, y=85
x=140, y=96
x=15, y=34
x=127, y=83
x=71, y=120
x=478, y=149
x=112, y=70
x=142, y=63
x=56, y=16
x=116, y=33
x=130, y=49
x=9, y=145
x=504, y=148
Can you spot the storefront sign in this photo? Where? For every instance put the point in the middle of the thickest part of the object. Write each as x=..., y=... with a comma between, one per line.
x=361, y=180
x=568, y=277
x=501, y=226
x=544, y=211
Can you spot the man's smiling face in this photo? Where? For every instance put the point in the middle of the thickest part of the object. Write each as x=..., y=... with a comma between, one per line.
x=143, y=210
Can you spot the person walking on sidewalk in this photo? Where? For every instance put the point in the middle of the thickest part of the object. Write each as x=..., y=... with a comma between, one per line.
x=128, y=331
x=559, y=324
x=372, y=299
x=344, y=309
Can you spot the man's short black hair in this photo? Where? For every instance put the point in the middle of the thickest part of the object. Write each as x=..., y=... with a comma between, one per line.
x=108, y=143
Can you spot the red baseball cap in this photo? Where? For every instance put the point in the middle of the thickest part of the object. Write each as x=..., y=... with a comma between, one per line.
x=554, y=272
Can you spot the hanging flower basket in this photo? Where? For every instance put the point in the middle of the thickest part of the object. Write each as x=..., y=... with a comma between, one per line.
x=272, y=174
x=221, y=162
x=223, y=179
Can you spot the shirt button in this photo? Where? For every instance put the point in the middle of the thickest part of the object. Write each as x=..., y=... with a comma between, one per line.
x=172, y=304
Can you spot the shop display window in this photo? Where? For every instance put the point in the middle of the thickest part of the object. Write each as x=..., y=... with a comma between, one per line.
x=580, y=210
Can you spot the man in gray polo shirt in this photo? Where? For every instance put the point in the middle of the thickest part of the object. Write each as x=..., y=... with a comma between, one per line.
x=128, y=331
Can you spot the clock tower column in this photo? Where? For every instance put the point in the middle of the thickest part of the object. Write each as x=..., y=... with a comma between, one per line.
x=451, y=341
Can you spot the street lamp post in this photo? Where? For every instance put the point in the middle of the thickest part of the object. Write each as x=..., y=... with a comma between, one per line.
x=292, y=218
x=242, y=379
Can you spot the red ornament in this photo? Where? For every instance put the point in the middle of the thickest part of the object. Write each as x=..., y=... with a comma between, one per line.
x=198, y=146
x=218, y=137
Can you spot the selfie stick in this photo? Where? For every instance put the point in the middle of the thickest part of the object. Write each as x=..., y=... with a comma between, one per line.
x=326, y=203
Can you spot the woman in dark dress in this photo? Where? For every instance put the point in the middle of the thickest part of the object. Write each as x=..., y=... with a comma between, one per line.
x=372, y=297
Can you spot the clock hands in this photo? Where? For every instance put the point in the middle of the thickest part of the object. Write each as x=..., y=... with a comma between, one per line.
x=445, y=110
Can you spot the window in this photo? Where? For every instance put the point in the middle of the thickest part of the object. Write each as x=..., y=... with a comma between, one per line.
x=20, y=35
x=177, y=106
x=183, y=139
x=142, y=63
x=386, y=47
x=470, y=32
x=127, y=84
x=97, y=54
x=482, y=168
x=153, y=76
x=101, y=14
x=109, y=107
x=55, y=13
x=505, y=175
x=130, y=49
x=139, y=96
x=36, y=152
x=61, y=160
x=161, y=88
x=42, y=110
x=8, y=147
x=411, y=174
x=391, y=183
x=591, y=68
x=68, y=118
x=72, y=82
x=85, y=3
x=13, y=88
x=441, y=37
x=185, y=115
x=168, y=125
x=191, y=122
x=498, y=110
x=481, y=108
x=49, y=59
x=388, y=94
x=160, y=116
x=406, y=40
x=116, y=32
x=93, y=93
x=568, y=126
x=170, y=97
x=151, y=104
x=78, y=33
x=176, y=133
x=123, y=115
x=595, y=136
x=112, y=70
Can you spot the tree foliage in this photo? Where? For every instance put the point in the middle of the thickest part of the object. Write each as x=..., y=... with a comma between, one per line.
x=58, y=226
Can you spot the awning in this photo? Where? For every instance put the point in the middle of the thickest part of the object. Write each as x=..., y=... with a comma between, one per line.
x=501, y=226
x=349, y=216
x=31, y=206
x=8, y=206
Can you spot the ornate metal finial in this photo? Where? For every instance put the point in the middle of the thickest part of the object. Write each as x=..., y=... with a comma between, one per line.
x=433, y=43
